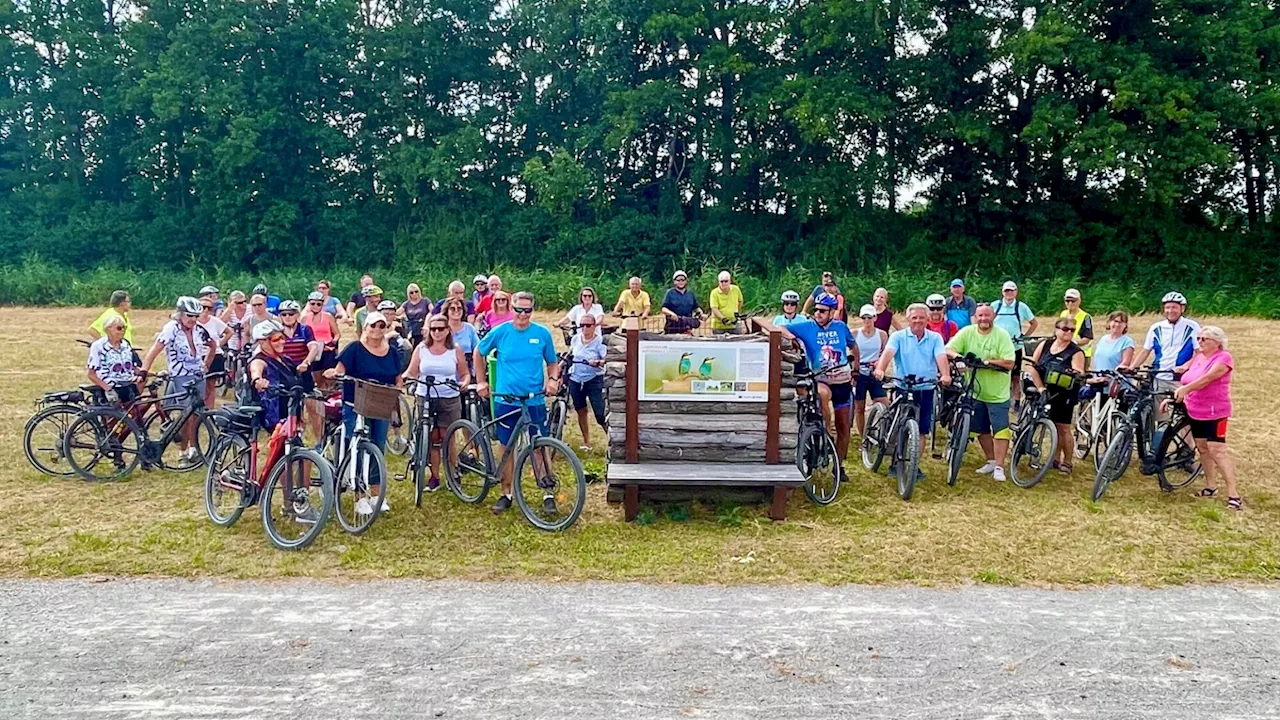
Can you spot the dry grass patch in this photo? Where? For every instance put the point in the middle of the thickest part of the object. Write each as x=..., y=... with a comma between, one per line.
x=979, y=531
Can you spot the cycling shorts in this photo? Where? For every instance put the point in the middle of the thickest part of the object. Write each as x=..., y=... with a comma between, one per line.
x=841, y=394
x=1214, y=431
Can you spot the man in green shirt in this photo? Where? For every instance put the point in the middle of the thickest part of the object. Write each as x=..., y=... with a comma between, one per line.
x=994, y=347
x=726, y=299
x=121, y=303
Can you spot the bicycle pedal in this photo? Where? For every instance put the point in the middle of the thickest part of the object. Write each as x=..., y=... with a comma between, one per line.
x=400, y=476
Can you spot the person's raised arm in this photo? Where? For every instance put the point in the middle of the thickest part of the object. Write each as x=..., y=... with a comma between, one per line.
x=808, y=304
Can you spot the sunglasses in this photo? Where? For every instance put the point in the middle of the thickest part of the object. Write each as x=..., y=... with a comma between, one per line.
x=587, y=295
x=523, y=311
x=192, y=315
x=1070, y=299
x=789, y=303
x=440, y=329
x=259, y=304
x=455, y=308
x=822, y=309
x=288, y=313
x=414, y=292
x=315, y=302
x=379, y=326
x=1065, y=329
x=275, y=337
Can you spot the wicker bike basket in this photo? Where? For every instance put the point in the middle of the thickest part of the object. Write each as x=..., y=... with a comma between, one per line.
x=376, y=402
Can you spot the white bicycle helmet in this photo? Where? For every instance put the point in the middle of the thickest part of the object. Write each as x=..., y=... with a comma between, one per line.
x=289, y=305
x=189, y=305
x=791, y=296
x=1174, y=297
x=386, y=305
x=208, y=290
x=935, y=301
x=315, y=295
x=264, y=330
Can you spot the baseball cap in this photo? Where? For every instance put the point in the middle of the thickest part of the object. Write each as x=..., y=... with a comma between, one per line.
x=680, y=274
x=374, y=317
x=957, y=283
x=1072, y=293
x=1009, y=285
x=867, y=311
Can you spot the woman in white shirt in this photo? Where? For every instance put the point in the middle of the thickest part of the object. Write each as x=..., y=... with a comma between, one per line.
x=439, y=358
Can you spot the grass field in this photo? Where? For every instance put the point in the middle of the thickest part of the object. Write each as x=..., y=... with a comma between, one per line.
x=979, y=531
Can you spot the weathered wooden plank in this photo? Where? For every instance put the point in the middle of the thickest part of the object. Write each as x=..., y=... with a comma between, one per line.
x=645, y=472
x=690, y=422
x=632, y=437
x=676, y=407
x=737, y=440
x=695, y=454
x=616, y=393
x=773, y=406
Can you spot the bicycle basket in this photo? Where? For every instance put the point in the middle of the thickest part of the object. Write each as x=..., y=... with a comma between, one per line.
x=376, y=402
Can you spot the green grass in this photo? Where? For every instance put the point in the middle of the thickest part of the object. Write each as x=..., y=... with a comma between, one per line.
x=35, y=282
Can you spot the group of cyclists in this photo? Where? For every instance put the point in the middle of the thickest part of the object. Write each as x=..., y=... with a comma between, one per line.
x=270, y=341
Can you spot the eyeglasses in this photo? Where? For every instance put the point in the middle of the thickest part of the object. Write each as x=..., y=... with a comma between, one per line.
x=379, y=326
x=1064, y=329
x=440, y=329
x=523, y=310
x=258, y=304
x=457, y=308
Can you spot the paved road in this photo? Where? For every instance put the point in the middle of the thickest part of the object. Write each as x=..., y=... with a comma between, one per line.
x=174, y=649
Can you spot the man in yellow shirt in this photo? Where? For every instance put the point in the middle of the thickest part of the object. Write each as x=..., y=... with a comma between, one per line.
x=121, y=303
x=633, y=300
x=726, y=299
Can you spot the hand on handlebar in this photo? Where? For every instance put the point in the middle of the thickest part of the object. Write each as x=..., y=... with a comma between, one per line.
x=482, y=389
x=878, y=374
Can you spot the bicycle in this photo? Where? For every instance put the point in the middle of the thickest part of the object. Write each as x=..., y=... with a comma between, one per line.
x=1165, y=450
x=44, y=430
x=961, y=417
x=558, y=406
x=551, y=485
x=896, y=429
x=1035, y=438
x=1096, y=419
x=294, y=489
x=360, y=479
x=816, y=454
x=108, y=431
x=425, y=424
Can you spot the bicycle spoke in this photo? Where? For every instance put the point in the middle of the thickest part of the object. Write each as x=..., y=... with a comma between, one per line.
x=550, y=487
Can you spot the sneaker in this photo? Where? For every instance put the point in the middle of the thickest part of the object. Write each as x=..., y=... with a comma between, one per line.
x=503, y=505
x=549, y=505
x=189, y=454
x=997, y=474
x=919, y=475
x=306, y=514
x=386, y=506
x=433, y=484
x=989, y=468
x=364, y=507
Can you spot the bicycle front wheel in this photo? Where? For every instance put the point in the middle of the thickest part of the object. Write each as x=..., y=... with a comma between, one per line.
x=1115, y=459
x=873, y=437
x=174, y=457
x=400, y=434
x=820, y=464
x=957, y=443
x=1033, y=450
x=468, y=462
x=1105, y=433
x=907, y=454
x=103, y=444
x=1177, y=463
x=550, y=484
x=42, y=439
x=227, y=481
x=297, y=499
x=361, y=483
x=420, y=461
x=555, y=418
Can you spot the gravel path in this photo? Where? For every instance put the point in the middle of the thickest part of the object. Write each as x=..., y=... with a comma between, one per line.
x=176, y=649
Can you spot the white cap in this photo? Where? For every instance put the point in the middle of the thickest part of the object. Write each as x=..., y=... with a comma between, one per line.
x=374, y=317
x=1072, y=293
x=867, y=311
x=680, y=274
x=724, y=275
x=1009, y=285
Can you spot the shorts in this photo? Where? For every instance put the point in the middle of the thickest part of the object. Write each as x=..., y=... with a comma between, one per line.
x=448, y=410
x=1214, y=431
x=589, y=392
x=923, y=400
x=219, y=364
x=178, y=386
x=1017, y=357
x=841, y=394
x=328, y=359
x=128, y=392
x=868, y=386
x=508, y=415
x=1062, y=405
x=990, y=418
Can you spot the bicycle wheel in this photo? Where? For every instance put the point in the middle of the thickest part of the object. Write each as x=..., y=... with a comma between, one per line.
x=957, y=443
x=1033, y=450
x=400, y=434
x=873, y=437
x=42, y=439
x=1083, y=430
x=550, y=484
x=103, y=444
x=361, y=483
x=1177, y=463
x=907, y=456
x=297, y=499
x=1115, y=459
x=420, y=461
x=1103, y=436
x=227, y=482
x=820, y=464
x=172, y=457
x=468, y=462
x=555, y=418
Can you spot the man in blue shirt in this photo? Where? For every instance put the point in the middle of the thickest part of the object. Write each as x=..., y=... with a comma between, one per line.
x=830, y=351
x=524, y=351
x=1011, y=314
x=919, y=351
x=960, y=307
x=273, y=301
x=680, y=306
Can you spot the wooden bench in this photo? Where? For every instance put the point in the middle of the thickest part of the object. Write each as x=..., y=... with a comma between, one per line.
x=632, y=477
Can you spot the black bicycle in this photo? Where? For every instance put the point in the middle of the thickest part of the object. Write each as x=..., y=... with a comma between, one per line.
x=816, y=454
x=964, y=378
x=548, y=482
x=558, y=406
x=106, y=442
x=426, y=421
x=895, y=431
x=43, y=433
x=1035, y=438
x=1166, y=450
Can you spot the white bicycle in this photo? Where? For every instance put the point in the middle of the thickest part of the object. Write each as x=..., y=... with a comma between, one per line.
x=1097, y=418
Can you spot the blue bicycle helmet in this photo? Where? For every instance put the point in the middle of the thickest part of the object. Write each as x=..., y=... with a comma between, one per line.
x=827, y=301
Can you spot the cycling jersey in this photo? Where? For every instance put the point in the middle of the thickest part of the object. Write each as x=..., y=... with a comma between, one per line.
x=184, y=357
x=114, y=365
x=1172, y=344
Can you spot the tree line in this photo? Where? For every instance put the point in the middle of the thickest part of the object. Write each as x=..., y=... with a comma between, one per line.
x=1103, y=139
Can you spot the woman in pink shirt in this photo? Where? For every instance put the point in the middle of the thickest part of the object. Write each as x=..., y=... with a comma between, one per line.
x=1206, y=392
x=500, y=312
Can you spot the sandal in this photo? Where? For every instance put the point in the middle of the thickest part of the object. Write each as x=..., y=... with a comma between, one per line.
x=1234, y=504
x=1065, y=468
x=1207, y=492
